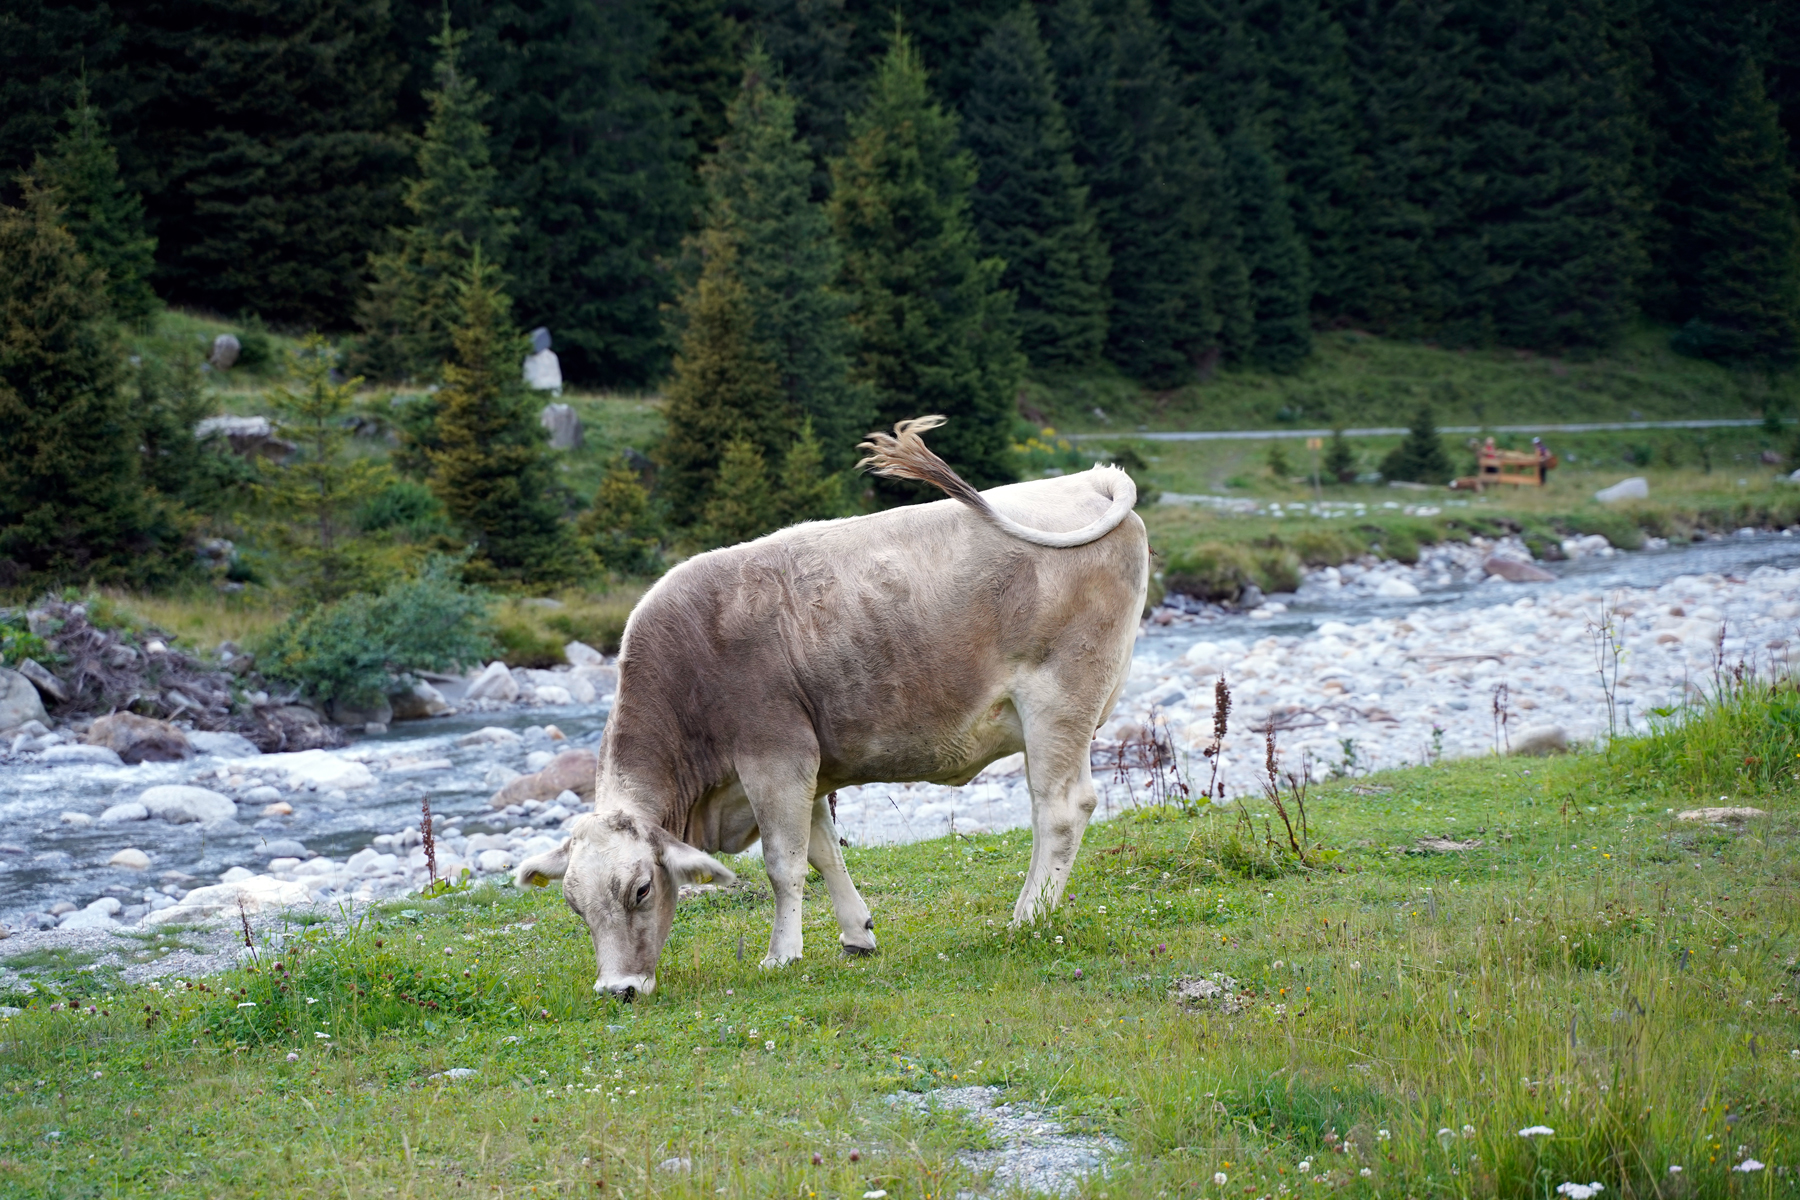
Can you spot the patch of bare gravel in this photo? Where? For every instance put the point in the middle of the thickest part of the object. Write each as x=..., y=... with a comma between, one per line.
x=1031, y=1149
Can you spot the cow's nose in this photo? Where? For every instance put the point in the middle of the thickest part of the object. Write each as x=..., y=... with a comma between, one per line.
x=627, y=993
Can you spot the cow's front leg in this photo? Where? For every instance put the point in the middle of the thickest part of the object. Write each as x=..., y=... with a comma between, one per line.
x=781, y=795
x=856, y=928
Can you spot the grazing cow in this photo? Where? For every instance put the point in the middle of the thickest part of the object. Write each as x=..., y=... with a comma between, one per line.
x=920, y=643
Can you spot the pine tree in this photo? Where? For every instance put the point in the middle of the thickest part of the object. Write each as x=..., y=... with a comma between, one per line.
x=1413, y=69
x=787, y=260
x=804, y=490
x=106, y=219
x=621, y=527
x=697, y=60
x=72, y=505
x=1029, y=205
x=266, y=142
x=809, y=42
x=1274, y=257
x=413, y=300
x=934, y=325
x=596, y=162
x=726, y=387
x=1745, y=230
x=1420, y=458
x=493, y=470
x=739, y=505
x=1180, y=291
x=1554, y=135
x=312, y=501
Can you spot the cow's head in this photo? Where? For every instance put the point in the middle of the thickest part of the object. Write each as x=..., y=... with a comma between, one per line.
x=620, y=874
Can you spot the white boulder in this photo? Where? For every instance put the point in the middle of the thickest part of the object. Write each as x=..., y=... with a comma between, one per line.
x=255, y=894
x=490, y=734
x=1397, y=588
x=180, y=804
x=1635, y=488
x=19, y=701
x=129, y=811
x=551, y=694
x=580, y=654
x=131, y=858
x=100, y=755
x=494, y=683
x=320, y=769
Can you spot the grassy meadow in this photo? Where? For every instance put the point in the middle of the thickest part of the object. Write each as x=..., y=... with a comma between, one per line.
x=1585, y=963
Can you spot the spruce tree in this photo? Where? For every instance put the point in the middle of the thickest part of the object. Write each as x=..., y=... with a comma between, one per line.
x=267, y=143
x=596, y=162
x=805, y=489
x=1746, y=234
x=786, y=257
x=312, y=501
x=1029, y=205
x=935, y=326
x=1554, y=134
x=1274, y=257
x=809, y=43
x=1413, y=69
x=726, y=387
x=414, y=297
x=106, y=219
x=492, y=467
x=1340, y=459
x=739, y=505
x=1179, y=287
x=621, y=528
x=72, y=505
x=697, y=60
x=1420, y=458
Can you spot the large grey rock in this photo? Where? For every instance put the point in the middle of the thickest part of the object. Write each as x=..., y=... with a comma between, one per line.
x=1540, y=740
x=247, y=435
x=543, y=372
x=66, y=755
x=180, y=804
x=1635, y=488
x=131, y=858
x=418, y=703
x=564, y=426
x=19, y=701
x=47, y=684
x=570, y=771
x=1514, y=571
x=224, y=745
x=580, y=654
x=138, y=739
x=494, y=683
x=281, y=848
x=377, y=712
x=225, y=351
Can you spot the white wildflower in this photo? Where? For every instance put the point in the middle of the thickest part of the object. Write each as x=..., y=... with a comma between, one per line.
x=1220, y=1178
x=1536, y=1131
x=1365, y=1172
x=1580, y=1191
x=1305, y=1166
x=1748, y=1165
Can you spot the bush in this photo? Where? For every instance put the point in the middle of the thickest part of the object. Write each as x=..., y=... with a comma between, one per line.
x=357, y=648
x=17, y=642
x=404, y=506
x=1209, y=571
x=1746, y=739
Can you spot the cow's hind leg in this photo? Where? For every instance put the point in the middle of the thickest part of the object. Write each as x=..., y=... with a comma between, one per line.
x=856, y=928
x=781, y=795
x=1062, y=800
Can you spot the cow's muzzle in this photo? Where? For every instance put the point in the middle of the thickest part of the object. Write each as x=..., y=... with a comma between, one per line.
x=626, y=987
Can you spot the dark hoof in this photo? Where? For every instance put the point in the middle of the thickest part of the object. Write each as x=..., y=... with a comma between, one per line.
x=857, y=951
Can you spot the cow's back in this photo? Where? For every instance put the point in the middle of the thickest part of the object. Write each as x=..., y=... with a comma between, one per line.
x=886, y=634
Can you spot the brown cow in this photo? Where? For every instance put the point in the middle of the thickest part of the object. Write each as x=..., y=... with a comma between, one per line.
x=920, y=643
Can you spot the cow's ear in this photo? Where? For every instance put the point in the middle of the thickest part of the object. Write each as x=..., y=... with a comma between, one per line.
x=540, y=869
x=688, y=865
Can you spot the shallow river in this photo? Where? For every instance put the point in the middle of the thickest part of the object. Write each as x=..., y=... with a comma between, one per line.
x=1354, y=656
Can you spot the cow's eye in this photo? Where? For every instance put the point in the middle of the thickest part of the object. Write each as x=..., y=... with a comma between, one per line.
x=643, y=893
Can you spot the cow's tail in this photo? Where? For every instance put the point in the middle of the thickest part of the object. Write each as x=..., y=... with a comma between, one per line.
x=904, y=455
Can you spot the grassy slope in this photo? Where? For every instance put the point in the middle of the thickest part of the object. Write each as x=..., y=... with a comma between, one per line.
x=1360, y=380
x=1593, y=966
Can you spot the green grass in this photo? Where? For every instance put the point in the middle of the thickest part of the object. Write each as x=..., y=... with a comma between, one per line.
x=1594, y=966
x=1360, y=380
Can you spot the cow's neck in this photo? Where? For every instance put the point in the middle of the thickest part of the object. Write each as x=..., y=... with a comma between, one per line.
x=642, y=769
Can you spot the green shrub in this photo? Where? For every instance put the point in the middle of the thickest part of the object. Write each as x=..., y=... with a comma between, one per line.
x=404, y=506
x=1746, y=739
x=1210, y=571
x=1617, y=527
x=1327, y=546
x=356, y=648
x=17, y=642
x=524, y=644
